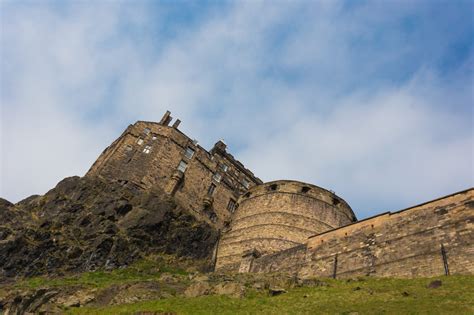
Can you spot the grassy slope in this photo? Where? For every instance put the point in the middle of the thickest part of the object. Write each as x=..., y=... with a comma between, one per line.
x=365, y=295
x=144, y=270
x=375, y=296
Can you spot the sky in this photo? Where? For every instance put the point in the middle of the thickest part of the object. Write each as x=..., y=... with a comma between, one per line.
x=371, y=99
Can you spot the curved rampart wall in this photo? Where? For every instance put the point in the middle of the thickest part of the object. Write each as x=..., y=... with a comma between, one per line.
x=280, y=215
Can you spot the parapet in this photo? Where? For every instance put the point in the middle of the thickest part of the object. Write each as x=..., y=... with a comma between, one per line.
x=311, y=191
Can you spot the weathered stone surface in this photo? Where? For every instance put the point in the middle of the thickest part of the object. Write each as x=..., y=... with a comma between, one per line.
x=5, y=204
x=168, y=278
x=77, y=299
x=279, y=215
x=232, y=289
x=133, y=293
x=408, y=243
x=198, y=289
x=87, y=223
x=30, y=302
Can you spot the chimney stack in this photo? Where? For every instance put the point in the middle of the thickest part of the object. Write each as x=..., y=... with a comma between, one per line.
x=176, y=124
x=166, y=118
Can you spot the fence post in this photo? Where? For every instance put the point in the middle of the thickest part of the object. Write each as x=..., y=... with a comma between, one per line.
x=334, y=272
x=445, y=260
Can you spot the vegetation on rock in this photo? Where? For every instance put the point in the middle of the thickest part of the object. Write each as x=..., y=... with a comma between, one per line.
x=85, y=224
x=169, y=285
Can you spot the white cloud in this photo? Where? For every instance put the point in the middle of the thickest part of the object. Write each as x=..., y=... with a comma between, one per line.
x=308, y=91
x=376, y=151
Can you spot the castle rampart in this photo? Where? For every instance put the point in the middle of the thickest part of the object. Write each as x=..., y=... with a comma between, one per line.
x=431, y=239
x=279, y=215
x=285, y=225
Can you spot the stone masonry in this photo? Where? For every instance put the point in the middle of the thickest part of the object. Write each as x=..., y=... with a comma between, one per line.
x=431, y=239
x=279, y=215
x=153, y=155
x=289, y=226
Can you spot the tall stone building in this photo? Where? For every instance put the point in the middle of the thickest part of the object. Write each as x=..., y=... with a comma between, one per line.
x=287, y=225
x=152, y=155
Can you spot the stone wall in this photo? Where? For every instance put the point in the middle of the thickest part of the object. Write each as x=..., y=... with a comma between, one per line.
x=148, y=155
x=280, y=215
x=430, y=239
x=288, y=225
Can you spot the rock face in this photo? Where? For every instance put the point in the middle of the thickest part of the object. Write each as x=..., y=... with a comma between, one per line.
x=87, y=223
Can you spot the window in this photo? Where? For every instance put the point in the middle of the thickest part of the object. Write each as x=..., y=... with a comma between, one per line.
x=273, y=187
x=128, y=147
x=305, y=189
x=211, y=189
x=189, y=153
x=146, y=131
x=224, y=167
x=147, y=149
x=231, y=205
x=140, y=141
x=182, y=166
x=246, y=183
x=217, y=177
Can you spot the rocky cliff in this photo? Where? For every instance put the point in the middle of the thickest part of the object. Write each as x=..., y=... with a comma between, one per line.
x=85, y=224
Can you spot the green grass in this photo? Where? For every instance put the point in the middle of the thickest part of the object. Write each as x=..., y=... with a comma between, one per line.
x=365, y=296
x=142, y=270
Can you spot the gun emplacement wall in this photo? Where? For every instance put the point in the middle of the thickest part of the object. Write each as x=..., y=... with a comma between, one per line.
x=431, y=239
x=280, y=215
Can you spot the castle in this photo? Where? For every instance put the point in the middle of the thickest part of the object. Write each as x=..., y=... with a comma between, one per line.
x=285, y=225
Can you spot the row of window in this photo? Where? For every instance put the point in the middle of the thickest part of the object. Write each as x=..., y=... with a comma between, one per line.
x=182, y=166
x=147, y=131
x=147, y=148
x=189, y=153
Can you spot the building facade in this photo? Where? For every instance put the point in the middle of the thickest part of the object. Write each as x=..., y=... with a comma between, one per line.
x=289, y=226
x=153, y=155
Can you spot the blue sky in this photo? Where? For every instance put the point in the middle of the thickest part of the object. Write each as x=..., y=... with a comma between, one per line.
x=372, y=99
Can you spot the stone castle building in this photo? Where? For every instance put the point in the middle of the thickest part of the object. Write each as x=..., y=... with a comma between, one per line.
x=153, y=155
x=285, y=225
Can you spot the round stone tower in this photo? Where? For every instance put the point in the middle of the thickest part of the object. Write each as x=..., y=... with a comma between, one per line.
x=279, y=215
